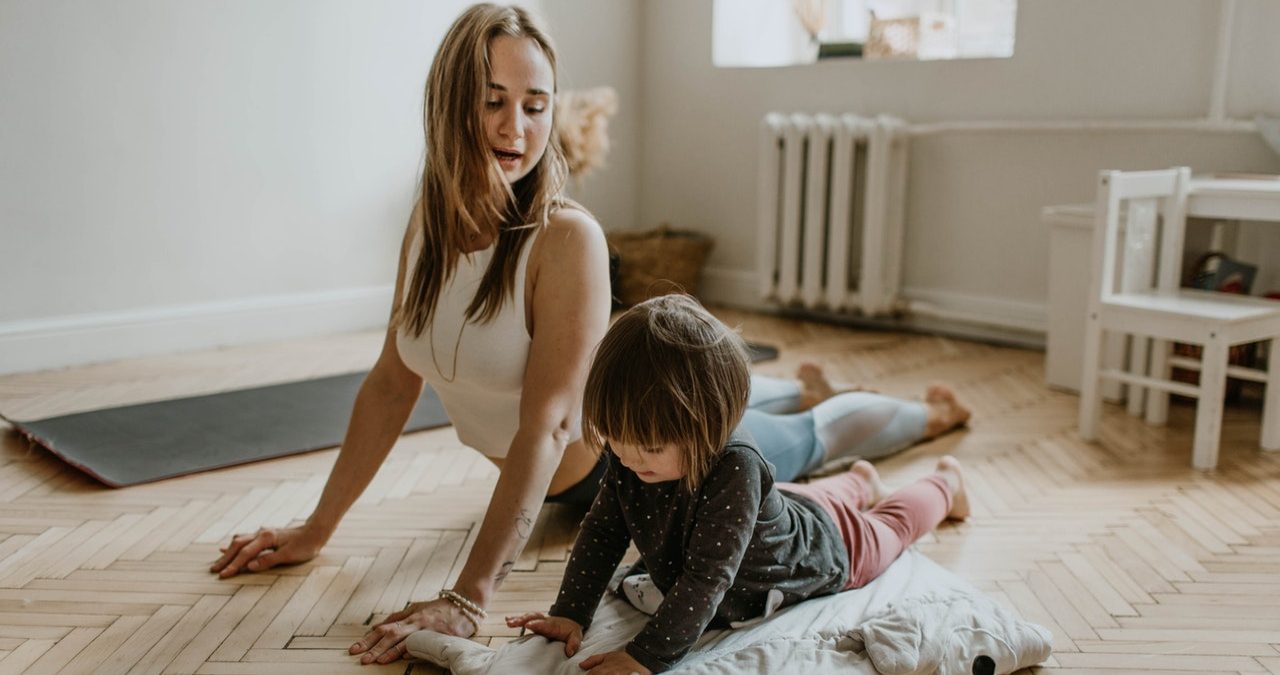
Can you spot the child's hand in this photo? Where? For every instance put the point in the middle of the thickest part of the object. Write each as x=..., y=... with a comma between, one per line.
x=613, y=663
x=556, y=628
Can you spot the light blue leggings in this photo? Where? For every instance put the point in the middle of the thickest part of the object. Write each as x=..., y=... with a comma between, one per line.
x=854, y=423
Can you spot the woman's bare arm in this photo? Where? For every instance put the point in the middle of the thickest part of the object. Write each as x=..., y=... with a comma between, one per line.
x=570, y=316
x=383, y=405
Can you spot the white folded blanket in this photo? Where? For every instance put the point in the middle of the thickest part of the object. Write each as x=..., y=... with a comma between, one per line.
x=915, y=618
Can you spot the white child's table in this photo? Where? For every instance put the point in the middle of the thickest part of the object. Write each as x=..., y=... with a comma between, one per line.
x=1234, y=198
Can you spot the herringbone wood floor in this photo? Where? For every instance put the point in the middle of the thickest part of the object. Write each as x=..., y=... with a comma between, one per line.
x=1136, y=562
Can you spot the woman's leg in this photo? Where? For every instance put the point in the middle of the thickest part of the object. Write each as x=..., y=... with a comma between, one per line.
x=788, y=442
x=779, y=396
x=854, y=423
x=775, y=395
x=802, y=423
x=868, y=425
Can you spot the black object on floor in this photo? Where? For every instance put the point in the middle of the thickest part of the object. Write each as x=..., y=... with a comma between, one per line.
x=152, y=441
x=760, y=353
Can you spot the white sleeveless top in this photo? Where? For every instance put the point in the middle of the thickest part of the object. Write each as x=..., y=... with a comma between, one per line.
x=480, y=384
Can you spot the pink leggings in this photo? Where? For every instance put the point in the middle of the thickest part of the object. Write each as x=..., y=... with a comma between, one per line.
x=876, y=537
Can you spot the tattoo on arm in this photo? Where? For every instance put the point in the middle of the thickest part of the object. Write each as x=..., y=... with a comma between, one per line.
x=524, y=524
x=524, y=528
x=502, y=573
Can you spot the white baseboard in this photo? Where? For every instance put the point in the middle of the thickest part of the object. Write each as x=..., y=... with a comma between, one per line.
x=985, y=311
x=740, y=289
x=56, y=342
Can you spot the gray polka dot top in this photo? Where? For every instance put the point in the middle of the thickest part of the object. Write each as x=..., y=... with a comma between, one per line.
x=715, y=554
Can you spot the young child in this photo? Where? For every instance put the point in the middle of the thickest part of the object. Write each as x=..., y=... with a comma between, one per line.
x=716, y=534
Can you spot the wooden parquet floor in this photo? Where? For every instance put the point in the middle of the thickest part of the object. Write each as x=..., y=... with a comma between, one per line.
x=1136, y=562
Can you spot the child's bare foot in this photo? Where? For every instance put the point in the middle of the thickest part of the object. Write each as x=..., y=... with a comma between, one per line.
x=945, y=412
x=867, y=472
x=815, y=387
x=950, y=470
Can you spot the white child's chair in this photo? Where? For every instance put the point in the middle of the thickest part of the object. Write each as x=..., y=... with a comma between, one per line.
x=1148, y=303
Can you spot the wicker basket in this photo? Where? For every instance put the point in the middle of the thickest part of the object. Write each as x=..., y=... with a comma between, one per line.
x=656, y=262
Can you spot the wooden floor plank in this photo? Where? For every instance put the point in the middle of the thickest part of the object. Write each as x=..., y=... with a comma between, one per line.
x=291, y=616
x=60, y=654
x=201, y=646
x=22, y=659
x=335, y=597
x=133, y=649
x=179, y=636
x=105, y=644
x=1143, y=662
x=252, y=625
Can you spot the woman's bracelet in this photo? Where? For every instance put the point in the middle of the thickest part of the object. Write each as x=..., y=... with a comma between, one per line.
x=463, y=602
x=474, y=612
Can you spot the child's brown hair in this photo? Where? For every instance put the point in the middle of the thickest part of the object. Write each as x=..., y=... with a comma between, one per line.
x=668, y=372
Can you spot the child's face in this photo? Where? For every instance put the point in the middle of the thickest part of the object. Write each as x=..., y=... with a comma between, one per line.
x=651, y=464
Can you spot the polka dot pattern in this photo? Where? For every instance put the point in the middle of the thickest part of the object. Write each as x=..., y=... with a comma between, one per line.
x=715, y=554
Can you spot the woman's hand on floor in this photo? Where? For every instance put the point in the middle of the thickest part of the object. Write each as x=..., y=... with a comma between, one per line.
x=265, y=549
x=613, y=663
x=555, y=628
x=385, y=643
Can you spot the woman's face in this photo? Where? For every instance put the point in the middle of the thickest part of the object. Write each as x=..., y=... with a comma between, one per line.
x=517, y=110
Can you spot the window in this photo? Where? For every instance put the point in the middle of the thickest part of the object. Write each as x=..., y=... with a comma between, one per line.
x=761, y=33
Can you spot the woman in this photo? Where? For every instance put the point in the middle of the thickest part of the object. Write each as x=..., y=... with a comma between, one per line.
x=501, y=295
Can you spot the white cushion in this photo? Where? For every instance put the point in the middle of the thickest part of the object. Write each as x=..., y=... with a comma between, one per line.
x=915, y=613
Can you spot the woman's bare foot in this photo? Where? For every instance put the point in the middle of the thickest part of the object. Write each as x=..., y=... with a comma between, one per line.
x=867, y=472
x=945, y=412
x=950, y=470
x=815, y=387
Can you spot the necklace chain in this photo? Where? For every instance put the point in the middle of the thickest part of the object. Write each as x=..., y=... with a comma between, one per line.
x=457, y=345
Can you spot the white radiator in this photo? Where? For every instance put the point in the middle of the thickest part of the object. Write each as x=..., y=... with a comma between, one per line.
x=831, y=205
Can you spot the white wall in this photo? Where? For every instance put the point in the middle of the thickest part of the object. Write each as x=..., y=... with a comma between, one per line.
x=598, y=45
x=973, y=232
x=177, y=175
x=180, y=175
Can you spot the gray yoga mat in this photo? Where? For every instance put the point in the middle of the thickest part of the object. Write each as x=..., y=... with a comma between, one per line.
x=142, y=443
x=760, y=353
x=153, y=441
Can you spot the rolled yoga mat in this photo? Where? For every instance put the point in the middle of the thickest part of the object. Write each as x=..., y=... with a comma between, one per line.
x=153, y=441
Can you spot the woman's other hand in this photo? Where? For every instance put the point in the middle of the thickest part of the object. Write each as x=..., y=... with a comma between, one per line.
x=385, y=642
x=265, y=549
x=555, y=628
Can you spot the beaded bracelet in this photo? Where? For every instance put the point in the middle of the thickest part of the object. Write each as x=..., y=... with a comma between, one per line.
x=474, y=612
x=466, y=614
x=463, y=602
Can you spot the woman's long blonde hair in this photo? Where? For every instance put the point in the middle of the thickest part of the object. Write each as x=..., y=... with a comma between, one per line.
x=463, y=189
